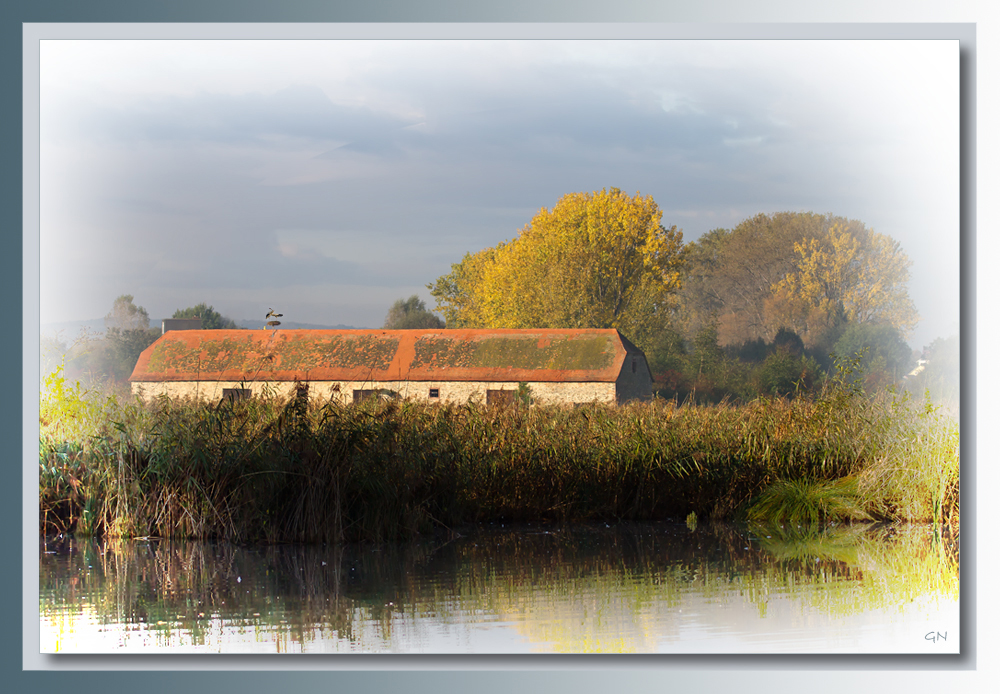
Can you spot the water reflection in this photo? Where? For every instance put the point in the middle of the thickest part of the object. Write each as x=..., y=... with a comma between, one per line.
x=634, y=588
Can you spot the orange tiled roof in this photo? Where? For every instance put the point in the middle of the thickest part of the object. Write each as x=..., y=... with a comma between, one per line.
x=384, y=355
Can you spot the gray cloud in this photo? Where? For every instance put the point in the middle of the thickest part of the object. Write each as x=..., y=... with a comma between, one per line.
x=373, y=171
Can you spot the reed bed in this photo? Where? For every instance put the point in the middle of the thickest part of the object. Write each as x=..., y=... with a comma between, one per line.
x=277, y=470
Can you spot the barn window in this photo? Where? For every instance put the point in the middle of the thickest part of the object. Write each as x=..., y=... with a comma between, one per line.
x=234, y=394
x=500, y=397
x=375, y=393
x=633, y=364
x=433, y=393
x=362, y=395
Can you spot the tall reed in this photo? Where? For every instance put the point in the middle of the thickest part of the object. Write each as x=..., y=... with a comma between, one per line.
x=290, y=470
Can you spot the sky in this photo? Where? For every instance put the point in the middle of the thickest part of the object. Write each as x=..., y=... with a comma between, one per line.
x=327, y=179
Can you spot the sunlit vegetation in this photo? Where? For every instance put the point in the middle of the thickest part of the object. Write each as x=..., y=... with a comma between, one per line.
x=274, y=470
x=595, y=260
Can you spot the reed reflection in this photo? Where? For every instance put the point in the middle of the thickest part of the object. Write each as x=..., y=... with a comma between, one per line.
x=625, y=588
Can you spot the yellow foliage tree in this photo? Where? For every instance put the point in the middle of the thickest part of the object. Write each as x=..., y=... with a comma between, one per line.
x=595, y=260
x=455, y=292
x=863, y=274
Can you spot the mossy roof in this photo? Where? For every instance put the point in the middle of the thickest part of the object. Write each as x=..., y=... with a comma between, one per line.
x=384, y=355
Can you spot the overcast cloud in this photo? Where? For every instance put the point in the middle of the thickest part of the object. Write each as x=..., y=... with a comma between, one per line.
x=327, y=179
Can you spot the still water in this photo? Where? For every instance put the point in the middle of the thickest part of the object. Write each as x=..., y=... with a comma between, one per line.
x=656, y=588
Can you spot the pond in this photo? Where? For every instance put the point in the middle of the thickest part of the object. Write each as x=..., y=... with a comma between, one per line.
x=623, y=588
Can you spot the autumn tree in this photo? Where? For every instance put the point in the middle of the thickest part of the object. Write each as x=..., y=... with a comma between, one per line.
x=731, y=273
x=700, y=298
x=857, y=273
x=814, y=274
x=409, y=314
x=595, y=260
x=456, y=292
x=210, y=318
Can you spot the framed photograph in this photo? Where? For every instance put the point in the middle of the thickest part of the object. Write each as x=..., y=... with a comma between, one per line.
x=481, y=340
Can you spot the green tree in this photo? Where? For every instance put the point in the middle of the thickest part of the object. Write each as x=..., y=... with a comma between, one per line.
x=410, y=314
x=787, y=341
x=885, y=356
x=711, y=374
x=784, y=373
x=210, y=318
x=125, y=315
x=127, y=334
x=123, y=348
x=700, y=298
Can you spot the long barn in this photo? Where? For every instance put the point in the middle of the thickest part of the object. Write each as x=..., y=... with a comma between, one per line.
x=448, y=366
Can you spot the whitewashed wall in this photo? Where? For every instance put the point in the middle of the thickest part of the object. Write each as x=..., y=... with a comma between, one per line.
x=457, y=392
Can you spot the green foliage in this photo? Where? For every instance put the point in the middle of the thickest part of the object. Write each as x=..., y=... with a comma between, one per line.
x=210, y=318
x=811, y=502
x=917, y=475
x=752, y=351
x=784, y=373
x=411, y=314
x=522, y=395
x=785, y=340
x=122, y=350
x=884, y=356
x=705, y=372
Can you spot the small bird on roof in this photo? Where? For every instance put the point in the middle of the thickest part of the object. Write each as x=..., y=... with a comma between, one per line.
x=272, y=314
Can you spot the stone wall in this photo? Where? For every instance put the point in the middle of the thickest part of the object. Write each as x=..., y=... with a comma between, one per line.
x=456, y=392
